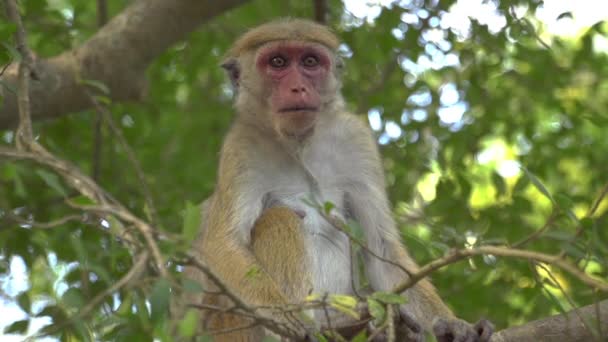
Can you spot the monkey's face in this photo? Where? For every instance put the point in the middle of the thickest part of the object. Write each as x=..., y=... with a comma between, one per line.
x=296, y=75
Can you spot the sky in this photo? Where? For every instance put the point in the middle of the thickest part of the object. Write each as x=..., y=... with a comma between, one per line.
x=584, y=14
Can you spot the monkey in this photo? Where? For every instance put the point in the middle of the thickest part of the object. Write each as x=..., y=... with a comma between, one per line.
x=293, y=141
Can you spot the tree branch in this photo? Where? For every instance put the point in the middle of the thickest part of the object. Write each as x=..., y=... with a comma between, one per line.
x=457, y=255
x=23, y=73
x=320, y=11
x=566, y=327
x=117, y=55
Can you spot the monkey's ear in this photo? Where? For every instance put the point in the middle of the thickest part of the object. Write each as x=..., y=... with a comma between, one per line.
x=234, y=72
x=339, y=68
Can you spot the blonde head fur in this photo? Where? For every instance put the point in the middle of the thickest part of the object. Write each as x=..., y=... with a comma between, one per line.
x=284, y=29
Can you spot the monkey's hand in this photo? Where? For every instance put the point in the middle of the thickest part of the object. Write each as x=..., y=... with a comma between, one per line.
x=457, y=330
x=407, y=328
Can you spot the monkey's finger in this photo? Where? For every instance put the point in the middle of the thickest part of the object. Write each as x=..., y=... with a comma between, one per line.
x=407, y=320
x=484, y=329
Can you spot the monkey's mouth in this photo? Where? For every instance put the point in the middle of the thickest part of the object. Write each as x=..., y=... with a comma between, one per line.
x=298, y=109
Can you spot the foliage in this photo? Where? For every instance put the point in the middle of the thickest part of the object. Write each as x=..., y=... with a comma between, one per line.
x=517, y=98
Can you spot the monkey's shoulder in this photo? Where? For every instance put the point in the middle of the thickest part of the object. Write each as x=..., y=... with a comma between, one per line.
x=353, y=134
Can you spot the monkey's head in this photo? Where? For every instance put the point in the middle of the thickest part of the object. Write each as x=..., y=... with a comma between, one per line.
x=285, y=75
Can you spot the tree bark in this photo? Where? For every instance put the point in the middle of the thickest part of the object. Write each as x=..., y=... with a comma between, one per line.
x=117, y=56
x=563, y=328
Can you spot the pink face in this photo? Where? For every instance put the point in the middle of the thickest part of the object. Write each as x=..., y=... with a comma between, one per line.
x=296, y=72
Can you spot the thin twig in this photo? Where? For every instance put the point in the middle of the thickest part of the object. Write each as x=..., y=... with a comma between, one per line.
x=97, y=147
x=568, y=298
x=102, y=18
x=143, y=227
x=536, y=234
x=135, y=271
x=390, y=323
x=341, y=226
x=25, y=135
x=70, y=173
x=46, y=225
x=457, y=255
x=590, y=213
x=320, y=11
x=102, y=13
x=378, y=331
x=527, y=24
x=5, y=67
x=598, y=201
x=277, y=327
x=89, y=188
x=141, y=176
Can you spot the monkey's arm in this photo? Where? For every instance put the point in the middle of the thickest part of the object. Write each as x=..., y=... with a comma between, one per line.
x=226, y=252
x=233, y=209
x=368, y=204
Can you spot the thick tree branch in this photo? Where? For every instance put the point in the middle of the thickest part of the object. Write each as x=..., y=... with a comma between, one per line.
x=117, y=55
x=566, y=327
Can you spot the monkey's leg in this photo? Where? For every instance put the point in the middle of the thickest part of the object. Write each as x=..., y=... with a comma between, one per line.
x=279, y=247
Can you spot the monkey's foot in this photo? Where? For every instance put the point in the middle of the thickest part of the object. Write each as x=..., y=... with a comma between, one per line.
x=457, y=330
x=407, y=329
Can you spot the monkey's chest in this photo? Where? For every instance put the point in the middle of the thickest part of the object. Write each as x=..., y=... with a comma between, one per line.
x=328, y=248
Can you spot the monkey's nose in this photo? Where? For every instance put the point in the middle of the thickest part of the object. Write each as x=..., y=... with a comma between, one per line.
x=297, y=90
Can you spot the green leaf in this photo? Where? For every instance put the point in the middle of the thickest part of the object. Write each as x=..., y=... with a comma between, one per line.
x=538, y=184
x=126, y=305
x=24, y=302
x=521, y=184
x=100, y=86
x=253, y=272
x=566, y=204
x=389, y=298
x=321, y=338
x=10, y=87
x=55, y=312
x=355, y=230
x=499, y=183
x=346, y=304
x=270, y=339
x=191, y=221
x=159, y=299
x=7, y=29
x=73, y=298
x=361, y=337
x=188, y=324
x=192, y=286
x=559, y=235
x=376, y=310
x=18, y=327
x=14, y=53
x=327, y=207
x=574, y=250
x=104, y=100
x=82, y=200
x=52, y=180
x=12, y=172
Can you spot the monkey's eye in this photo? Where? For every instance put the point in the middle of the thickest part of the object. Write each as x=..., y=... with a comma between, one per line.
x=278, y=62
x=310, y=61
